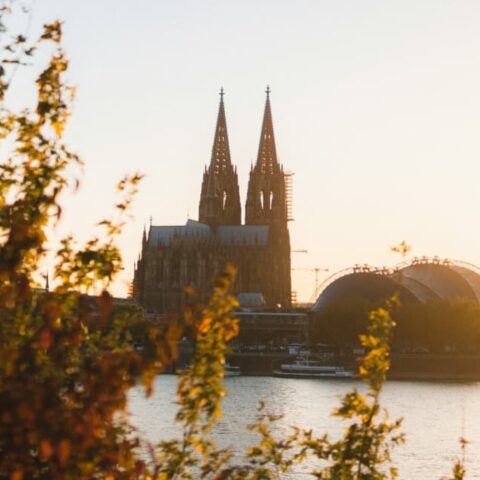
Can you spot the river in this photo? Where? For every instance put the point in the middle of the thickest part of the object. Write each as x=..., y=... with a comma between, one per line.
x=435, y=415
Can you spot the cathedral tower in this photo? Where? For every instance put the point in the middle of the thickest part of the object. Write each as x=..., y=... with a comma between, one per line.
x=266, y=197
x=220, y=197
x=267, y=205
x=175, y=257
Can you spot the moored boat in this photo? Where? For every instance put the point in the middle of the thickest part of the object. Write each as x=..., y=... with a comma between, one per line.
x=231, y=370
x=305, y=368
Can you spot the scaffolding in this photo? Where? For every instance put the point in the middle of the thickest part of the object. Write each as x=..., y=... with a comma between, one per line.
x=293, y=297
x=289, y=195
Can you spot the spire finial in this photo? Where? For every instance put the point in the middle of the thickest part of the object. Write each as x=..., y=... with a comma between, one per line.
x=222, y=93
x=267, y=91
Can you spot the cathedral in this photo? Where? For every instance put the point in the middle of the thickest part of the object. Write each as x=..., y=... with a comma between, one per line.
x=173, y=258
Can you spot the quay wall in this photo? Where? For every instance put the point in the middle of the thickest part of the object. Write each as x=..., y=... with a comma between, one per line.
x=403, y=366
x=259, y=363
x=459, y=367
x=435, y=367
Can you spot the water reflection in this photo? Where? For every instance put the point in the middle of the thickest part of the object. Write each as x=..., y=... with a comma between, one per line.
x=435, y=414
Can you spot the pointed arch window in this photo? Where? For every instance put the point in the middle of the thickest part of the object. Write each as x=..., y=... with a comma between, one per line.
x=224, y=200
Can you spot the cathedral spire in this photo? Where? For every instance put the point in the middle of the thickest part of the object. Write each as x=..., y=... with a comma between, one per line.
x=220, y=197
x=266, y=195
x=267, y=153
x=221, y=150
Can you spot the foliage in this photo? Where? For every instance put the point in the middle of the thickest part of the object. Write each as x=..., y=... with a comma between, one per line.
x=67, y=359
x=341, y=321
x=403, y=249
x=200, y=389
x=447, y=325
x=364, y=451
x=459, y=471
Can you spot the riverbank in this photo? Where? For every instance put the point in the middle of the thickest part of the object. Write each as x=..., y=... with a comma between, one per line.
x=427, y=367
x=435, y=367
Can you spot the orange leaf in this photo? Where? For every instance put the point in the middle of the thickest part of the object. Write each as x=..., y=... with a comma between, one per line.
x=46, y=449
x=64, y=450
x=46, y=339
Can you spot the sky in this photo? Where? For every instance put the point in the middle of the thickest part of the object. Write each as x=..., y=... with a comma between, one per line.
x=376, y=108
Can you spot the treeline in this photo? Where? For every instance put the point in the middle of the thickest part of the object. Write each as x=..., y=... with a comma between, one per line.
x=437, y=326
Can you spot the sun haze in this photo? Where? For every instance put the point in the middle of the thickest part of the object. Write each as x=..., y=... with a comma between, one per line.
x=375, y=107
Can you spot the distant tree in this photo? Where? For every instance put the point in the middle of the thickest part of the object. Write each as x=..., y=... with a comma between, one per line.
x=341, y=321
x=442, y=325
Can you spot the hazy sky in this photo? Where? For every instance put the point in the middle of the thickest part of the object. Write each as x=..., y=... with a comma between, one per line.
x=376, y=107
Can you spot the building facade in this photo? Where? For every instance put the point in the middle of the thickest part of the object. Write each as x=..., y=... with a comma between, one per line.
x=173, y=258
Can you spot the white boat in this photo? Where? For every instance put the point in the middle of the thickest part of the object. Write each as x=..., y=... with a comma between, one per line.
x=305, y=368
x=231, y=370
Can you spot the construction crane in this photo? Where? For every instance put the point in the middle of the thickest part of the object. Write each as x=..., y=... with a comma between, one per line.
x=299, y=251
x=317, y=271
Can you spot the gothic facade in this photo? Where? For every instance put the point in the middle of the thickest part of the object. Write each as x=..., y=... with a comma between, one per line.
x=175, y=257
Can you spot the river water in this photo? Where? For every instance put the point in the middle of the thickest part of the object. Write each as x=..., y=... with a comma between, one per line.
x=435, y=415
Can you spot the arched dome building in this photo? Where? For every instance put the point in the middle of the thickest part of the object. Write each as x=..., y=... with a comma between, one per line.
x=420, y=280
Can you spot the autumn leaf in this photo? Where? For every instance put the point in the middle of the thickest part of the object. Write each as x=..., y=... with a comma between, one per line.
x=63, y=451
x=46, y=449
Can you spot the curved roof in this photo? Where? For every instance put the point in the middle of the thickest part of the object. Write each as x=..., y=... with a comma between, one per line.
x=368, y=285
x=421, y=291
x=471, y=276
x=420, y=280
x=442, y=279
